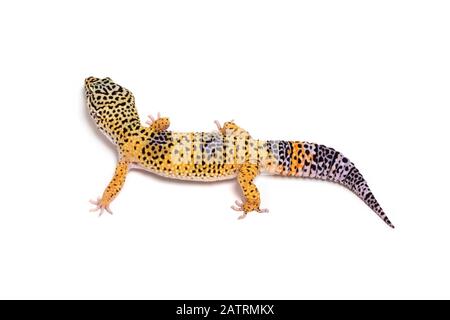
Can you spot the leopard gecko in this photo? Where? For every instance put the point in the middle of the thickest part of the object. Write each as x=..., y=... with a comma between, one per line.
x=228, y=153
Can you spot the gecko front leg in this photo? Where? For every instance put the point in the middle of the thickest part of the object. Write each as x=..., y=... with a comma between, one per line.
x=158, y=124
x=112, y=189
x=252, y=200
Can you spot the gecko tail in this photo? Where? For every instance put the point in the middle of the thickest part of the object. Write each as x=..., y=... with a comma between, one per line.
x=356, y=183
x=304, y=159
x=333, y=166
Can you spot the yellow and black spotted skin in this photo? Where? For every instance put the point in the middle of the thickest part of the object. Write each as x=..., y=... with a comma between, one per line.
x=229, y=153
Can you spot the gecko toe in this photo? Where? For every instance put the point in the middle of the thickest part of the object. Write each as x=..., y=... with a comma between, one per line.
x=242, y=216
x=108, y=209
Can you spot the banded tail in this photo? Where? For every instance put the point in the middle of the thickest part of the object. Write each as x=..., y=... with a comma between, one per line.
x=304, y=159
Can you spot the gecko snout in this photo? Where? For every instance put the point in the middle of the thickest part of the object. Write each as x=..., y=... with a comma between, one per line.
x=90, y=80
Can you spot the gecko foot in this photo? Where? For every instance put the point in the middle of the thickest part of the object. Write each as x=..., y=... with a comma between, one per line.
x=226, y=125
x=242, y=216
x=152, y=119
x=218, y=125
x=99, y=206
x=159, y=124
x=245, y=208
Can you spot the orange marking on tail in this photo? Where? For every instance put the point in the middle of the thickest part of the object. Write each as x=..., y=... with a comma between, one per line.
x=296, y=161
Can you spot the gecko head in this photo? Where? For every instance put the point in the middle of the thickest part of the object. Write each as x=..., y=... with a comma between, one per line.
x=111, y=106
x=104, y=93
x=104, y=97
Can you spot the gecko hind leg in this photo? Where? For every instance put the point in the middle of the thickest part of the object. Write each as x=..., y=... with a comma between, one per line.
x=230, y=127
x=246, y=175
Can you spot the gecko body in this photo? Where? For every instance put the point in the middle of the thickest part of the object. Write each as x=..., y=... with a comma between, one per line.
x=229, y=153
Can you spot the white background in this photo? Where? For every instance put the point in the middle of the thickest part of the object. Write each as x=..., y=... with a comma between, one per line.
x=370, y=79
